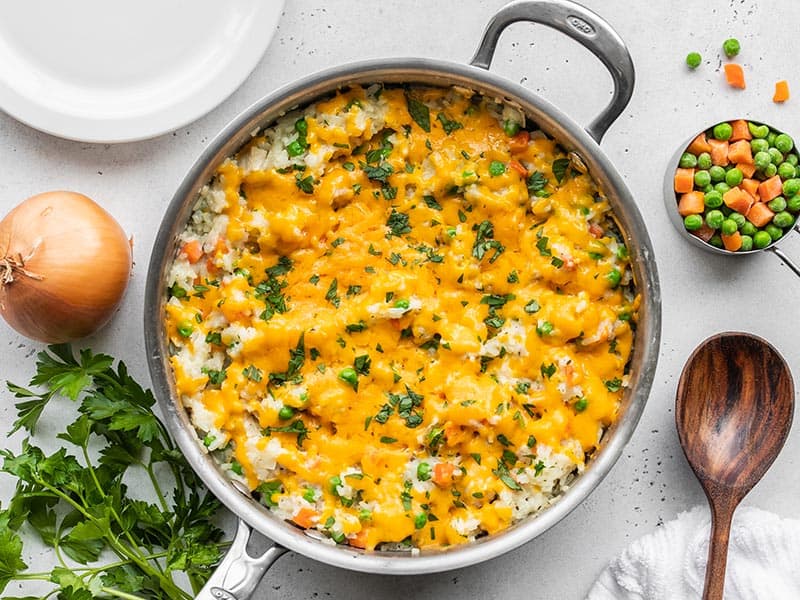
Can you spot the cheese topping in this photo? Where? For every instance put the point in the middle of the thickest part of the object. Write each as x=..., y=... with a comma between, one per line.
x=400, y=317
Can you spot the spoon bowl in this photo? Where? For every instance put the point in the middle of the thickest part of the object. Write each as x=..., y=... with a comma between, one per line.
x=733, y=410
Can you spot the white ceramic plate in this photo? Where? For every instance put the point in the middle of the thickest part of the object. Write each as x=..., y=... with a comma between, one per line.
x=113, y=71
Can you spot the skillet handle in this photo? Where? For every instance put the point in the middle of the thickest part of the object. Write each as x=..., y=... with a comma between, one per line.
x=782, y=255
x=583, y=26
x=237, y=576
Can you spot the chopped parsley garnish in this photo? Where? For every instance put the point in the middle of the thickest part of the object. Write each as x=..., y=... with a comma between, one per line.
x=420, y=112
x=373, y=251
x=614, y=385
x=541, y=244
x=502, y=473
x=431, y=202
x=536, y=182
x=377, y=172
x=353, y=290
x=297, y=357
x=296, y=427
x=362, y=364
x=356, y=327
x=532, y=307
x=215, y=377
x=398, y=223
x=331, y=295
x=544, y=328
x=547, y=370
x=449, y=125
x=405, y=405
x=338, y=242
x=484, y=242
x=513, y=277
x=560, y=166
x=305, y=184
x=252, y=373
x=214, y=337
x=385, y=439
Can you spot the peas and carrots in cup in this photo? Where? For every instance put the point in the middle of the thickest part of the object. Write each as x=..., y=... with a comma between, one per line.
x=737, y=185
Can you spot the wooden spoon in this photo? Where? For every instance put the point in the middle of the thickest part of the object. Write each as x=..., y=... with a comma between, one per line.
x=733, y=410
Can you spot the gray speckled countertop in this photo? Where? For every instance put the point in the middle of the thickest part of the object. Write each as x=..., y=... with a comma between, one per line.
x=702, y=294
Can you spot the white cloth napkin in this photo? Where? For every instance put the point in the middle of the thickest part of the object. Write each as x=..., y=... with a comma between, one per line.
x=669, y=564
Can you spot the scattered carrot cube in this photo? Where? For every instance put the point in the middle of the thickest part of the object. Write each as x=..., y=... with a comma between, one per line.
x=740, y=152
x=699, y=145
x=771, y=188
x=705, y=232
x=519, y=141
x=518, y=167
x=781, y=91
x=305, y=517
x=443, y=473
x=684, y=180
x=691, y=203
x=719, y=152
x=193, y=251
x=750, y=186
x=732, y=242
x=747, y=169
x=737, y=199
x=759, y=214
x=740, y=131
x=734, y=75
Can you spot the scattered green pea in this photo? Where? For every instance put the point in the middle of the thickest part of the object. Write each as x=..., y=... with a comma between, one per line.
x=774, y=231
x=777, y=204
x=716, y=241
x=771, y=170
x=717, y=173
x=762, y=160
x=776, y=156
x=614, y=277
x=286, y=413
x=693, y=222
x=791, y=187
x=748, y=229
x=738, y=218
x=783, y=143
x=758, y=131
x=731, y=47
x=771, y=138
x=792, y=159
x=693, y=60
x=688, y=161
x=349, y=376
x=762, y=239
x=186, y=329
x=783, y=220
x=759, y=145
x=714, y=219
x=786, y=170
x=747, y=244
x=793, y=203
x=728, y=227
x=723, y=131
x=704, y=161
x=702, y=178
x=734, y=177
x=713, y=199
x=722, y=187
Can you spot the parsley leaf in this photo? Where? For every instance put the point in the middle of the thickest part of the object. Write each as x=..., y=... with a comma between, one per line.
x=560, y=166
x=420, y=112
x=449, y=125
x=398, y=223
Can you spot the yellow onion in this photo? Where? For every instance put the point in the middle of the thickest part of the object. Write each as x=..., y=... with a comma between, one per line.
x=64, y=266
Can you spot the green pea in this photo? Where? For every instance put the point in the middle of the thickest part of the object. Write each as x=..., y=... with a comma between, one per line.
x=783, y=142
x=776, y=156
x=759, y=145
x=729, y=227
x=704, y=161
x=793, y=203
x=349, y=376
x=723, y=131
x=722, y=187
x=792, y=159
x=693, y=60
x=734, y=177
x=717, y=173
x=731, y=47
x=748, y=229
x=771, y=170
x=747, y=243
x=762, y=160
x=738, y=218
x=702, y=178
x=758, y=131
x=510, y=127
x=333, y=483
x=786, y=171
x=783, y=219
x=777, y=204
x=688, y=161
x=402, y=303
x=771, y=138
x=713, y=199
x=708, y=188
x=774, y=231
x=716, y=241
x=186, y=329
x=497, y=168
x=614, y=277
x=714, y=219
x=693, y=222
x=762, y=239
x=791, y=187
x=286, y=413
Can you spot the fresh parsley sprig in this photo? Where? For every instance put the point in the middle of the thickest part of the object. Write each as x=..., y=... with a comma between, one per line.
x=80, y=505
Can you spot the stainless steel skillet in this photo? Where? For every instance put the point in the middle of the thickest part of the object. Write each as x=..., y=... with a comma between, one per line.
x=239, y=573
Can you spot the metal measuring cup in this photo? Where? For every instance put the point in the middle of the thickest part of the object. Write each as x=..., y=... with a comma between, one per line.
x=671, y=198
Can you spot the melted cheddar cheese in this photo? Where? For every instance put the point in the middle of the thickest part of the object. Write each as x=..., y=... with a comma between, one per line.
x=400, y=316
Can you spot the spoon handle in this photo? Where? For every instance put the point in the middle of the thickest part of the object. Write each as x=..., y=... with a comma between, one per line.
x=721, y=517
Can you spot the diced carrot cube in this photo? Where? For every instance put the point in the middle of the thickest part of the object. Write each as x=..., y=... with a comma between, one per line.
x=359, y=540
x=737, y=199
x=518, y=167
x=732, y=242
x=705, y=232
x=305, y=517
x=443, y=473
x=759, y=214
x=734, y=75
x=719, y=152
x=699, y=145
x=740, y=131
x=750, y=185
x=771, y=188
x=746, y=169
x=691, y=203
x=740, y=152
x=519, y=141
x=193, y=251
x=684, y=180
x=781, y=91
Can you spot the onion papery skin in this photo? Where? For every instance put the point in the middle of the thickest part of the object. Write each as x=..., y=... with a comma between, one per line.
x=66, y=262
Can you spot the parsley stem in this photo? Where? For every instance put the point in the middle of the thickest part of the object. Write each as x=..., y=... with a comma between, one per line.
x=118, y=594
x=156, y=487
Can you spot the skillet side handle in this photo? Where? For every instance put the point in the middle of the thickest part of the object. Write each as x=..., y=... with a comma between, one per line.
x=238, y=575
x=583, y=26
x=782, y=255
